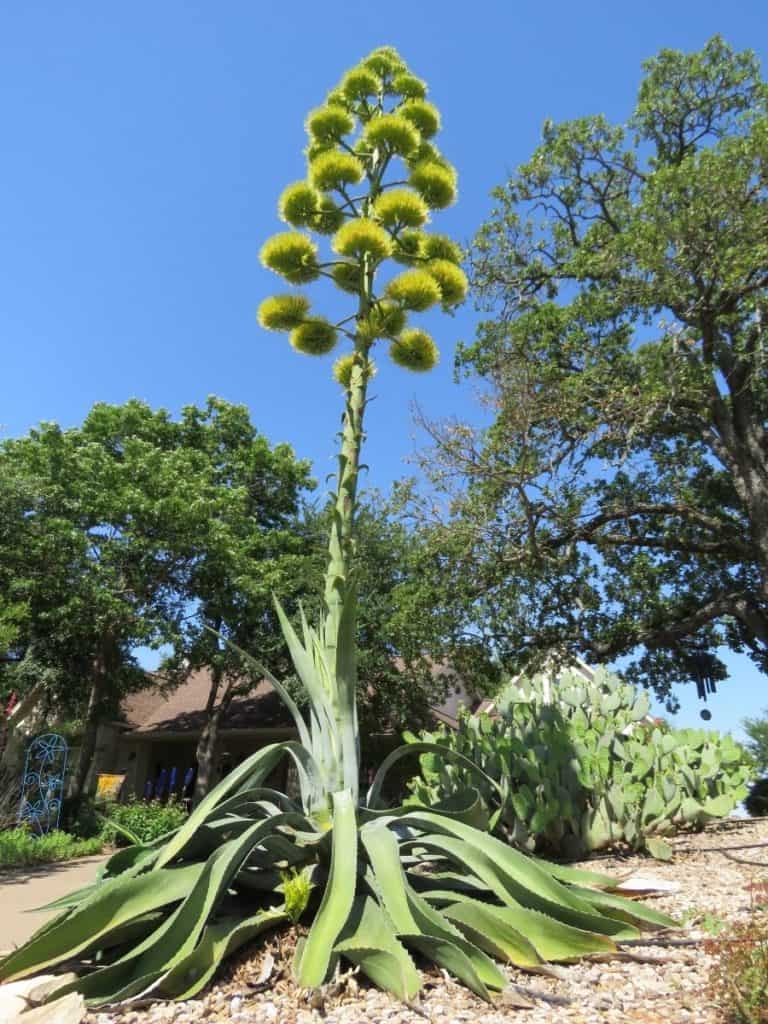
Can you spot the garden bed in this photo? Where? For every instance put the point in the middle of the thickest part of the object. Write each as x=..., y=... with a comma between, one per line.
x=713, y=873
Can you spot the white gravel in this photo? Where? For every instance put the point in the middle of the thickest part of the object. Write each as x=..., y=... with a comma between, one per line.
x=666, y=985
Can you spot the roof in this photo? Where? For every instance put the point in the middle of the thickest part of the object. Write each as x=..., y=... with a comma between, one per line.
x=166, y=709
x=182, y=708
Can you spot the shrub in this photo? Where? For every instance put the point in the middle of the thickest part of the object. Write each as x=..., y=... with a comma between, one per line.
x=738, y=983
x=757, y=799
x=144, y=819
x=82, y=817
x=19, y=847
x=586, y=770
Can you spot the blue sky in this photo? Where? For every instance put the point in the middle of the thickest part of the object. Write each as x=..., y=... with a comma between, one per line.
x=145, y=144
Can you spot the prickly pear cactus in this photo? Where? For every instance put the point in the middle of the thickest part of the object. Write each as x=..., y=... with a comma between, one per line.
x=582, y=766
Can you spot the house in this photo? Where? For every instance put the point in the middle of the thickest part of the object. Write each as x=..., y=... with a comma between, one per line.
x=152, y=743
x=154, y=740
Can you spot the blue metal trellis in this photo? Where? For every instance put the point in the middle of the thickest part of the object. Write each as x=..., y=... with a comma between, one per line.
x=42, y=784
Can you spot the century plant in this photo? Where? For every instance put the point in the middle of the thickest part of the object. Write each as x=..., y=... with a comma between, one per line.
x=377, y=883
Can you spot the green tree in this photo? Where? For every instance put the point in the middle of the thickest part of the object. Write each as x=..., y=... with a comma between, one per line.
x=118, y=522
x=618, y=504
x=757, y=745
x=251, y=549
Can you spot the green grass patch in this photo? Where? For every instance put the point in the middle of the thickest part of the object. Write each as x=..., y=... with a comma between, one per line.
x=19, y=848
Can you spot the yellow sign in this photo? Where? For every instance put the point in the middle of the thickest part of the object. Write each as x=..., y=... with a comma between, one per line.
x=108, y=786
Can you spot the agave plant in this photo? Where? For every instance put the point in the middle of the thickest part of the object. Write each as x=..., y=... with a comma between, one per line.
x=379, y=887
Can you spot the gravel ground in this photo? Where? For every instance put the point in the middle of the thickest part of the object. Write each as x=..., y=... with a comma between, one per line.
x=665, y=983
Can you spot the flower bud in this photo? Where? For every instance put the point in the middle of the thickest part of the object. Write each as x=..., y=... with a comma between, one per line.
x=360, y=83
x=333, y=169
x=392, y=132
x=298, y=204
x=400, y=207
x=451, y=279
x=409, y=86
x=328, y=125
x=435, y=183
x=440, y=247
x=423, y=115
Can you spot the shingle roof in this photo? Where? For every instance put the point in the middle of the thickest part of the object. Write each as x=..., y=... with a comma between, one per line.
x=162, y=709
x=182, y=709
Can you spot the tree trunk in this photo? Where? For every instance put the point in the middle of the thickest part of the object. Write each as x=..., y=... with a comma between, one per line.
x=90, y=727
x=205, y=755
x=208, y=742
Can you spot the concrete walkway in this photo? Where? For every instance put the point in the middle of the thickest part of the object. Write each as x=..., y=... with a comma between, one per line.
x=22, y=889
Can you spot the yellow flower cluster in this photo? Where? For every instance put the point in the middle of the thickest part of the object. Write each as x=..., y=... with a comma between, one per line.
x=414, y=350
x=292, y=255
x=414, y=289
x=386, y=223
x=362, y=237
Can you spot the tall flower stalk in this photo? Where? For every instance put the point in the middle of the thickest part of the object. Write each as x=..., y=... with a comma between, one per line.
x=377, y=884
x=373, y=179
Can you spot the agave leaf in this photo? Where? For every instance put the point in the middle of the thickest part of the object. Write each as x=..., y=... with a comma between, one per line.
x=627, y=910
x=552, y=939
x=306, y=670
x=131, y=932
x=447, y=952
x=314, y=957
x=466, y=807
x=578, y=876
x=112, y=904
x=443, y=943
x=258, y=879
x=381, y=847
x=220, y=940
x=452, y=881
x=130, y=861
x=369, y=941
x=511, y=893
x=492, y=933
x=253, y=770
x=140, y=969
x=247, y=796
x=523, y=877
x=70, y=900
x=262, y=670
x=420, y=925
